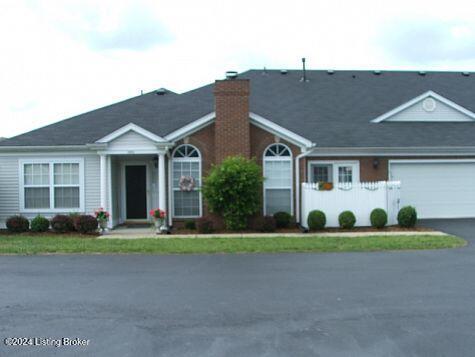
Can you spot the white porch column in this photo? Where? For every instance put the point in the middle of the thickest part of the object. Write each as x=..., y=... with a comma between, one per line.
x=162, y=183
x=103, y=169
x=110, y=207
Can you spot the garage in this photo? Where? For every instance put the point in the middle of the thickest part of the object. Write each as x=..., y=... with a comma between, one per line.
x=438, y=189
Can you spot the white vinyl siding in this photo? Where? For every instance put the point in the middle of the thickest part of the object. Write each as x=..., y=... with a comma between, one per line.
x=10, y=183
x=132, y=141
x=442, y=113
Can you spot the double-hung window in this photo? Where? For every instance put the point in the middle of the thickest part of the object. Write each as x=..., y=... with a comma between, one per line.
x=277, y=179
x=336, y=172
x=186, y=166
x=51, y=185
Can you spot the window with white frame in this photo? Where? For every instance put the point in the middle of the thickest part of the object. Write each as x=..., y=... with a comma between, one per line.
x=186, y=165
x=322, y=173
x=277, y=179
x=51, y=185
x=335, y=172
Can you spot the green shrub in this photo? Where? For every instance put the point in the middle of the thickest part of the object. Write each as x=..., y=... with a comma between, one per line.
x=18, y=224
x=316, y=220
x=233, y=190
x=347, y=220
x=85, y=224
x=74, y=216
x=378, y=218
x=190, y=224
x=407, y=217
x=265, y=224
x=204, y=225
x=62, y=223
x=39, y=224
x=282, y=219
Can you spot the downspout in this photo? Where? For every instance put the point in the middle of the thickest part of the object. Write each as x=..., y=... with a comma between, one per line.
x=170, y=192
x=297, y=180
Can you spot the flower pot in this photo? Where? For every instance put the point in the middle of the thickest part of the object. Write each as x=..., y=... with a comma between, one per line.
x=160, y=227
x=102, y=226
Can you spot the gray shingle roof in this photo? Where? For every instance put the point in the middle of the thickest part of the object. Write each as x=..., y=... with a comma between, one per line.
x=330, y=110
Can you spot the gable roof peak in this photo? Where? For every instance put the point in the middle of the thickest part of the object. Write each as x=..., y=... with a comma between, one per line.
x=430, y=107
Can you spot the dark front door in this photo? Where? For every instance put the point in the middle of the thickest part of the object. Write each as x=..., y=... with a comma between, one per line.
x=136, y=191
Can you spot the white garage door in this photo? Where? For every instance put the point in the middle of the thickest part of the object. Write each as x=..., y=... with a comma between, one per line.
x=437, y=189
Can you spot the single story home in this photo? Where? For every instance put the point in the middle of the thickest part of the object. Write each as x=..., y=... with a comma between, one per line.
x=313, y=126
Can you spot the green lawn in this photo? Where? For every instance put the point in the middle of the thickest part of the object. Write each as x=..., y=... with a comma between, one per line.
x=28, y=244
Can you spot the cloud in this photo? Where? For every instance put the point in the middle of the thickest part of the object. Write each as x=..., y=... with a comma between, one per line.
x=428, y=41
x=106, y=25
x=137, y=29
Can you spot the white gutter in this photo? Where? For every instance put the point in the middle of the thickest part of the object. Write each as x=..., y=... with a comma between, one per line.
x=297, y=182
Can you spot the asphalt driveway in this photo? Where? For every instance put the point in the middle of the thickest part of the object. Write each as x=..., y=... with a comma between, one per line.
x=341, y=304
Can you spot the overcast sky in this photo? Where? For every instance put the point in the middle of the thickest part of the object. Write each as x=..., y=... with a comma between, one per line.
x=62, y=58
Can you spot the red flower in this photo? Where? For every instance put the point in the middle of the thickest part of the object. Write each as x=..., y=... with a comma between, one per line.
x=158, y=213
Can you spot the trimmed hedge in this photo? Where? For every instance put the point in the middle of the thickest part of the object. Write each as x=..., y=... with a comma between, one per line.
x=190, y=224
x=204, y=225
x=347, y=220
x=18, y=224
x=39, y=224
x=62, y=223
x=378, y=218
x=407, y=217
x=316, y=220
x=282, y=219
x=85, y=224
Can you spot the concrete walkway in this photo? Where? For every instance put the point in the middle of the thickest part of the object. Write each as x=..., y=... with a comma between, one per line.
x=137, y=233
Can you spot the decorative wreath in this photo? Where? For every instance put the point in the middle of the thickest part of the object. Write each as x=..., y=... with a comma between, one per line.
x=187, y=183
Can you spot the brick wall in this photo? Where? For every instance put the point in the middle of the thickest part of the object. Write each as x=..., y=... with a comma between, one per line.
x=232, y=132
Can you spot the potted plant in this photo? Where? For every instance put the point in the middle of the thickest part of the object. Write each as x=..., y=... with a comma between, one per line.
x=102, y=217
x=159, y=216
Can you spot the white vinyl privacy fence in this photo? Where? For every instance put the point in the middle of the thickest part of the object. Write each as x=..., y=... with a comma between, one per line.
x=360, y=198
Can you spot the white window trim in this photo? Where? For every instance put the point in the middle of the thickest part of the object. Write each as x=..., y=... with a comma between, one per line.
x=173, y=189
x=51, y=162
x=335, y=164
x=278, y=158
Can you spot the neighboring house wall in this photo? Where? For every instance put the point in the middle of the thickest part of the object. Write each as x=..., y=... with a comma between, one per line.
x=10, y=182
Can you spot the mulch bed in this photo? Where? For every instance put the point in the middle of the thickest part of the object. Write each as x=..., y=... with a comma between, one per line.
x=222, y=231
x=326, y=230
x=4, y=232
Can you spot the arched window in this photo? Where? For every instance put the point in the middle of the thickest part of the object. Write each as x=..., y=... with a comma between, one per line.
x=186, y=164
x=277, y=179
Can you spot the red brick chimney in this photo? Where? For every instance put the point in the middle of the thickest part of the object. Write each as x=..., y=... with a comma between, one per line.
x=232, y=135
